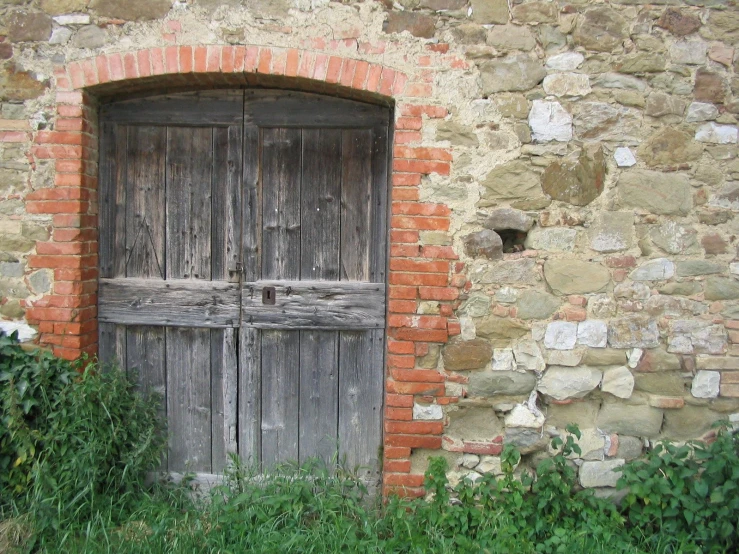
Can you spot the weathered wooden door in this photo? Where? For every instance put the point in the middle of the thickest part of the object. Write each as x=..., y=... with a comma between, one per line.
x=242, y=271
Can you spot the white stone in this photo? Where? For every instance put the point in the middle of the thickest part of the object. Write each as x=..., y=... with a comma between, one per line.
x=624, y=157
x=658, y=269
x=706, y=384
x=468, y=329
x=25, y=331
x=73, y=19
x=592, y=444
x=552, y=239
x=567, y=61
x=60, y=35
x=469, y=461
x=734, y=268
x=562, y=383
x=561, y=335
x=528, y=356
x=600, y=474
x=506, y=295
x=490, y=464
x=701, y=111
x=427, y=411
x=503, y=359
x=538, y=329
x=692, y=52
x=592, y=332
x=717, y=134
x=569, y=358
x=618, y=381
x=522, y=416
x=635, y=355
x=567, y=84
x=550, y=121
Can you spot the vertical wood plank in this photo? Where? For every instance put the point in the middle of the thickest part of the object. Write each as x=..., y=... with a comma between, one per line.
x=224, y=376
x=226, y=217
x=281, y=160
x=250, y=396
x=112, y=218
x=188, y=352
x=360, y=401
x=321, y=199
x=112, y=344
x=356, y=207
x=250, y=204
x=380, y=214
x=319, y=380
x=189, y=174
x=145, y=202
x=280, y=396
x=280, y=259
x=145, y=357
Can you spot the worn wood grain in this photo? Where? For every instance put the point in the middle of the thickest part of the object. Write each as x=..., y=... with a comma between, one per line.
x=188, y=207
x=356, y=207
x=250, y=395
x=174, y=302
x=380, y=206
x=315, y=305
x=320, y=201
x=280, y=396
x=360, y=401
x=189, y=399
x=319, y=402
x=224, y=395
x=226, y=200
x=251, y=205
x=146, y=360
x=280, y=189
x=299, y=109
x=206, y=108
x=145, y=202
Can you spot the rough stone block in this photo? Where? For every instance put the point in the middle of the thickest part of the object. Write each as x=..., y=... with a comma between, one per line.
x=600, y=474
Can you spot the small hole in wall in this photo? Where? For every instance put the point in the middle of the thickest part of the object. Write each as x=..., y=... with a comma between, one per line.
x=513, y=240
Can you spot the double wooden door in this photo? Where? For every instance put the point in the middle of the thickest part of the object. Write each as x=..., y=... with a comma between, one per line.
x=242, y=263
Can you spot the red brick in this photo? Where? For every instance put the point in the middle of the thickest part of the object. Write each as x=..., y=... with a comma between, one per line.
x=417, y=110
x=56, y=207
x=402, y=306
x=239, y=57
x=157, y=61
x=51, y=314
x=320, y=67
x=75, y=274
x=398, y=361
x=251, y=61
x=400, y=347
x=419, y=208
x=428, y=279
x=398, y=466
x=406, y=179
x=403, y=237
x=403, y=387
x=57, y=137
x=70, y=97
x=424, y=335
x=69, y=111
x=279, y=61
x=422, y=153
x=407, y=137
x=403, y=479
x=422, y=348
x=74, y=220
x=90, y=72
x=62, y=248
x=421, y=166
x=373, y=78
x=574, y=313
x=305, y=69
x=438, y=293
x=227, y=59
x=418, y=90
x=414, y=441
x=405, y=193
x=50, y=261
x=75, y=288
x=387, y=78
x=396, y=452
x=415, y=427
x=417, y=375
x=417, y=321
x=404, y=264
x=399, y=85
x=360, y=75
x=409, y=123
x=405, y=250
x=404, y=293
x=420, y=222
x=347, y=72
x=439, y=252
x=399, y=400
x=291, y=64
x=454, y=328
x=333, y=73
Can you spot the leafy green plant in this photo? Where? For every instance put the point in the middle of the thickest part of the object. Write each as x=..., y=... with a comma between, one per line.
x=30, y=379
x=688, y=491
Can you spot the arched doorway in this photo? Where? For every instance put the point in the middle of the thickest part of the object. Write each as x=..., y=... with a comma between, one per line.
x=242, y=264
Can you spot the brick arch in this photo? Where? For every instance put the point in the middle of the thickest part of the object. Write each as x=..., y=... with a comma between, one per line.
x=67, y=316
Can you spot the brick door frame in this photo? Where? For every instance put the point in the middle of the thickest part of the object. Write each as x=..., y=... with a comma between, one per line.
x=67, y=317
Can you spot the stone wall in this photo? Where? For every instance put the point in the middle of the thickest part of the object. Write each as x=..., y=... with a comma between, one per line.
x=564, y=239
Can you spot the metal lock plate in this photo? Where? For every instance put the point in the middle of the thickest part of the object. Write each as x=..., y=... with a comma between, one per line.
x=269, y=296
